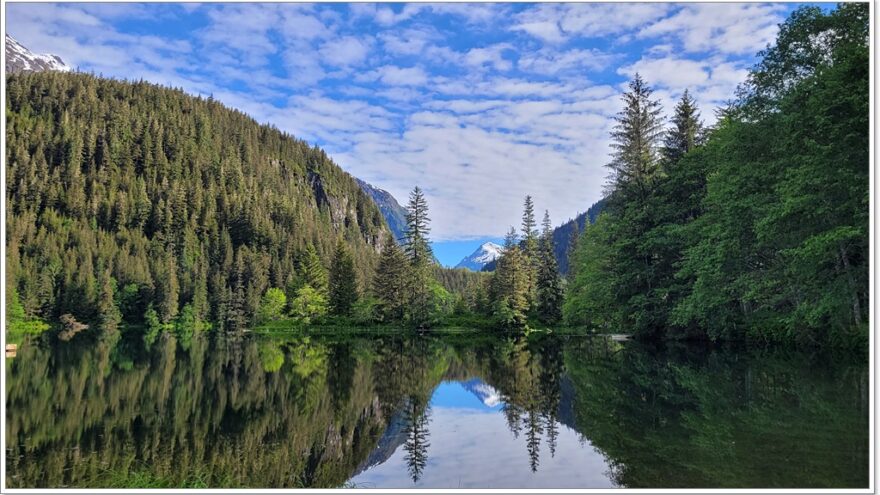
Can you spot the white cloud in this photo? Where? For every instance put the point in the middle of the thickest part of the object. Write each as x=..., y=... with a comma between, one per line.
x=552, y=62
x=722, y=27
x=395, y=76
x=669, y=72
x=555, y=23
x=344, y=51
x=490, y=56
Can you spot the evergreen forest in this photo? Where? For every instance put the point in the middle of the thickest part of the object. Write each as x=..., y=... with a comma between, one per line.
x=137, y=206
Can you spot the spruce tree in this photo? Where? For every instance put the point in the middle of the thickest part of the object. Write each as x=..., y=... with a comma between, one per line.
x=686, y=132
x=509, y=290
x=313, y=272
x=416, y=444
x=418, y=250
x=529, y=230
x=343, y=281
x=390, y=281
x=548, y=287
x=636, y=140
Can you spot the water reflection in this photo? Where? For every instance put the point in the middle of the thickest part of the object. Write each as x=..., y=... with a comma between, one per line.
x=469, y=411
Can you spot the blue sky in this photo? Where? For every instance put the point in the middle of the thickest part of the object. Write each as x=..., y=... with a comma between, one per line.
x=479, y=104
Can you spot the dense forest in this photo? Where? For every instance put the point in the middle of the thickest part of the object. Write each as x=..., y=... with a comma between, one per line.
x=133, y=204
x=754, y=228
x=128, y=202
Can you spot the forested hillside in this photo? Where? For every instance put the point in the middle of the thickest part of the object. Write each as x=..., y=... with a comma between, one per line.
x=755, y=228
x=125, y=197
x=565, y=236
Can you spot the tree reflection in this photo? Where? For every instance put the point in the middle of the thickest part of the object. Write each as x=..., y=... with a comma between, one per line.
x=239, y=411
x=417, y=414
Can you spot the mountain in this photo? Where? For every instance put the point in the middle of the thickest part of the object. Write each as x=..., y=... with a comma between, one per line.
x=484, y=254
x=483, y=391
x=395, y=215
x=147, y=200
x=20, y=59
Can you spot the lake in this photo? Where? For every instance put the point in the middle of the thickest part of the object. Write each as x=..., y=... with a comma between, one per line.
x=404, y=411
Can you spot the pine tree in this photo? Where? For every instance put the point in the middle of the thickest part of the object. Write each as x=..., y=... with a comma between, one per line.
x=636, y=142
x=530, y=250
x=416, y=244
x=529, y=230
x=687, y=130
x=548, y=288
x=416, y=444
x=313, y=272
x=390, y=281
x=418, y=250
x=343, y=281
x=509, y=290
x=107, y=309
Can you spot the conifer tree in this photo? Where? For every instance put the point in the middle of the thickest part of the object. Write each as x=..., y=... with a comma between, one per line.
x=418, y=250
x=686, y=132
x=343, y=281
x=313, y=272
x=548, y=288
x=510, y=285
x=636, y=140
x=530, y=250
x=391, y=279
x=107, y=308
x=416, y=430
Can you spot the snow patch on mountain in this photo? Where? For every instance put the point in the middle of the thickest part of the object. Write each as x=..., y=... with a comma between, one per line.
x=20, y=59
x=486, y=253
x=484, y=392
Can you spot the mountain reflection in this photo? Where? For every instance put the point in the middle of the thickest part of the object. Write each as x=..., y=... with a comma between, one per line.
x=250, y=411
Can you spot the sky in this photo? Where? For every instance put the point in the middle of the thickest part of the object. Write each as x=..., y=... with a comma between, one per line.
x=478, y=104
x=470, y=445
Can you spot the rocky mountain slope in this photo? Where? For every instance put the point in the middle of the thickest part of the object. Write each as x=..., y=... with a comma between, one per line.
x=20, y=59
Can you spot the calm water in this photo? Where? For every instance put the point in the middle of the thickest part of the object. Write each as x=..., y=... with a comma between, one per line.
x=457, y=411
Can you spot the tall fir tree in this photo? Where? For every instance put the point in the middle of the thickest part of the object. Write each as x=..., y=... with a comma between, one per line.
x=390, y=284
x=418, y=250
x=510, y=285
x=529, y=233
x=686, y=132
x=548, y=286
x=636, y=140
x=313, y=272
x=343, y=281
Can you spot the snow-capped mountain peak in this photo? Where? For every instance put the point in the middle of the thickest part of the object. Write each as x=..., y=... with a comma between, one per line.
x=20, y=59
x=487, y=252
x=484, y=392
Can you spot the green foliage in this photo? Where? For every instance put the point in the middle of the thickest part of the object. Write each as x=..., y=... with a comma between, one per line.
x=271, y=356
x=177, y=199
x=309, y=305
x=186, y=325
x=509, y=289
x=272, y=305
x=343, y=282
x=390, y=282
x=313, y=272
x=758, y=231
x=367, y=310
x=589, y=296
x=548, y=283
x=153, y=326
x=417, y=248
